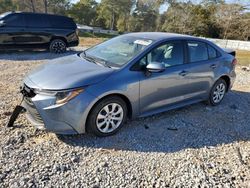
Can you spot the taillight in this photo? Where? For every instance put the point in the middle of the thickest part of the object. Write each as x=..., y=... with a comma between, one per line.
x=234, y=62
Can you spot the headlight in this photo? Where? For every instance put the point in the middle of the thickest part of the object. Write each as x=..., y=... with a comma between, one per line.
x=65, y=96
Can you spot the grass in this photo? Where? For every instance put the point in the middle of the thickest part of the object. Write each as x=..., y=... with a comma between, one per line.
x=243, y=57
x=95, y=35
x=91, y=39
x=88, y=42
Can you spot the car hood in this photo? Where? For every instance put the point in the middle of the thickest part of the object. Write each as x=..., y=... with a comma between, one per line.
x=66, y=73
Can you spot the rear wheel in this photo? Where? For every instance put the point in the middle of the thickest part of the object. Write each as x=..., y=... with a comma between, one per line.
x=57, y=46
x=218, y=92
x=107, y=117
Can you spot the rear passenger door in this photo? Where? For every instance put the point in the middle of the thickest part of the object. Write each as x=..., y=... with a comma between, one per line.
x=203, y=62
x=37, y=28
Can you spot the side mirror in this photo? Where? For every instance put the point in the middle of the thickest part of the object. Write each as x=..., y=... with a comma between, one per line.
x=155, y=67
x=2, y=23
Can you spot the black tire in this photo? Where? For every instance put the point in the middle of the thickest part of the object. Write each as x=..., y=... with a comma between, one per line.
x=93, y=120
x=211, y=101
x=57, y=46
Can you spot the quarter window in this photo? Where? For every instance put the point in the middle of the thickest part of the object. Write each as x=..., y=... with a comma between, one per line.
x=62, y=22
x=212, y=53
x=197, y=51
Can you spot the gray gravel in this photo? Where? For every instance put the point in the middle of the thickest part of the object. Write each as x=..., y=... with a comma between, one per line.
x=194, y=146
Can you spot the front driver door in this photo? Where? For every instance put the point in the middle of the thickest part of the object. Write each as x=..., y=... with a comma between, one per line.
x=13, y=32
x=161, y=90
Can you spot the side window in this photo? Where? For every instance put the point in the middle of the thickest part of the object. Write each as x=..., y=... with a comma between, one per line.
x=62, y=22
x=14, y=20
x=38, y=21
x=212, y=53
x=197, y=51
x=170, y=54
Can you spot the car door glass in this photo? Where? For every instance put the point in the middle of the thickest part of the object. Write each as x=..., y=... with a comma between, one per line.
x=170, y=54
x=212, y=53
x=15, y=20
x=37, y=21
x=197, y=51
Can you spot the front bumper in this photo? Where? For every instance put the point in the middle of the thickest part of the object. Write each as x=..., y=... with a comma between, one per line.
x=69, y=118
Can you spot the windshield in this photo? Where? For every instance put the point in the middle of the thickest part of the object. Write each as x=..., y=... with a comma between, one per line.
x=4, y=14
x=117, y=51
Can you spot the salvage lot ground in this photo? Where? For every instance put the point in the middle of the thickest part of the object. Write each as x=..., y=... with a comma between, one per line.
x=195, y=145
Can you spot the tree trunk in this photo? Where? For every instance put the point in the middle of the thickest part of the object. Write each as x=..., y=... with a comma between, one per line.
x=33, y=5
x=45, y=6
x=112, y=20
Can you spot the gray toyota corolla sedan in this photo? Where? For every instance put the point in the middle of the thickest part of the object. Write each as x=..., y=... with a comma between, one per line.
x=132, y=75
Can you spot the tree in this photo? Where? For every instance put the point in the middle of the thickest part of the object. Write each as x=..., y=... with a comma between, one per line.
x=6, y=5
x=189, y=18
x=229, y=17
x=178, y=18
x=83, y=12
x=110, y=11
x=58, y=6
x=144, y=17
x=47, y=6
x=203, y=21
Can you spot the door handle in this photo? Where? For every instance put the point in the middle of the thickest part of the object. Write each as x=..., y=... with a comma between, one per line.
x=213, y=66
x=183, y=73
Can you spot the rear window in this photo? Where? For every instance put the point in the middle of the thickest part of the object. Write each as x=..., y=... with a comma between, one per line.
x=36, y=20
x=62, y=22
x=197, y=51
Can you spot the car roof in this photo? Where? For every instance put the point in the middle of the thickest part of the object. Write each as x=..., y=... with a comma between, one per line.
x=160, y=35
x=38, y=13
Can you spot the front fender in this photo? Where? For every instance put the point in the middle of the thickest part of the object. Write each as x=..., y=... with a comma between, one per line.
x=123, y=83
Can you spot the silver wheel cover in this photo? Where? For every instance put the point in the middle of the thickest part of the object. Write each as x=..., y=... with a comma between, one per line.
x=109, y=118
x=219, y=93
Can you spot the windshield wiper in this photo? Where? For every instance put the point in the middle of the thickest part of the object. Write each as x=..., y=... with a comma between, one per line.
x=88, y=58
x=104, y=62
x=96, y=60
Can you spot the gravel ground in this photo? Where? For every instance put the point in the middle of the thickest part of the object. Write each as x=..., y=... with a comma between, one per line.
x=194, y=146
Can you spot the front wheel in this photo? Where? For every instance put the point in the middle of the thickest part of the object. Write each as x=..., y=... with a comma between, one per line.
x=218, y=92
x=57, y=46
x=107, y=117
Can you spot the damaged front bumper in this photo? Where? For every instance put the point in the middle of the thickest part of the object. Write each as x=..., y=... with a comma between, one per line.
x=42, y=112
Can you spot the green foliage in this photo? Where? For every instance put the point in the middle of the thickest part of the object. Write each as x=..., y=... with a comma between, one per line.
x=144, y=17
x=83, y=12
x=6, y=5
x=95, y=35
x=114, y=13
x=49, y=6
x=210, y=18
